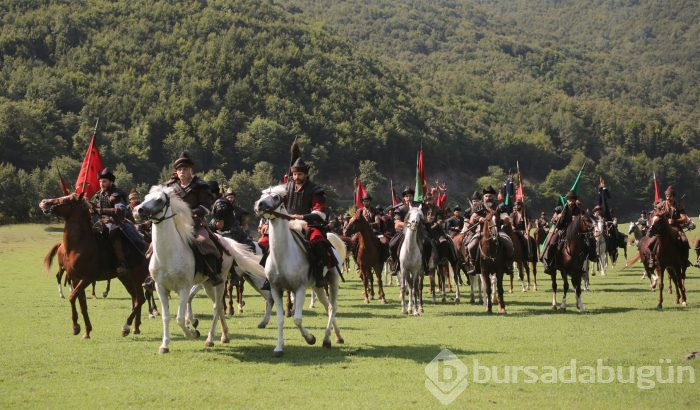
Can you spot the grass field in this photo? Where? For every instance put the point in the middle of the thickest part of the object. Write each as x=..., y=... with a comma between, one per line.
x=381, y=365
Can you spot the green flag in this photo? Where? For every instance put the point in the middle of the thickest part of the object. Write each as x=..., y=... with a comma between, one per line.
x=562, y=198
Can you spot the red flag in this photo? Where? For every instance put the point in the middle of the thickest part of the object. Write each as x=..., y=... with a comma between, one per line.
x=394, y=198
x=442, y=200
x=520, y=193
x=64, y=187
x=421, y=186
x=87, y=182
x=656, y=190
x=360, y=192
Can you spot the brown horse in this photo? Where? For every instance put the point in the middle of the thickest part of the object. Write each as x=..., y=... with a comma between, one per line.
x=89, y=258
x=60, y=254
x=492, y=259
x=466, y=264
x=371, y=254
x=571, y=258
x=520, y=256
x=669, y=257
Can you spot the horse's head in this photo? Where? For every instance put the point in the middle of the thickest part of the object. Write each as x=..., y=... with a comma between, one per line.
x=489, y=228
x=271, y=201
x=414, y=218
x=64, y=206
x=355, y=223
x=657, y=221
x=160, y=204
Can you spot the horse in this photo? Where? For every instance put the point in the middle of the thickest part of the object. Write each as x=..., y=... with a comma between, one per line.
x=89, y=257
x=520, y=256
x=668, y=257
x=58, y=251
x=371, y=253
x=172, y=264
x=614, y=240
x=287, y=268
x=446, y=259
x=492, y=260
x=601, y=244
x=466, y=264
x=411, y=261
x=572, y=257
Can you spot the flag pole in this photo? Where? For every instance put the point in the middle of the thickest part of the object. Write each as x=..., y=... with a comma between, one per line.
x=527, y=220
x=90, y=148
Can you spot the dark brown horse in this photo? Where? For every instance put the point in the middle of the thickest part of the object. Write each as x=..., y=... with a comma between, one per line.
x=520, y=256
x=492, y=258
x=571, y=258
x=89, y=258
x=669, y=257
x=371, y=253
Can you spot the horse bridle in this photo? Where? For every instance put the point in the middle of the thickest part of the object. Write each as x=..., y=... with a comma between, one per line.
x=164, y=209
x=276, y=213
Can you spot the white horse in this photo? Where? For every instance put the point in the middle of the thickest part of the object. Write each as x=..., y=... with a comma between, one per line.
x=287, y=268
x=600, y=246
x=411, y=261
x=173, y=265
x=249, y=268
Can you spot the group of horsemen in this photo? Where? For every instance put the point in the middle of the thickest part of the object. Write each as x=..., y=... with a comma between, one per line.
x=305, y=200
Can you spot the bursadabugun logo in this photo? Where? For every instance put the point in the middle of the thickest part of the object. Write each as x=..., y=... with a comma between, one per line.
x=446, y=376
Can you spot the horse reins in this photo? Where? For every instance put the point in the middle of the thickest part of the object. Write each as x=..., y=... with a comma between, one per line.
x=155, y=220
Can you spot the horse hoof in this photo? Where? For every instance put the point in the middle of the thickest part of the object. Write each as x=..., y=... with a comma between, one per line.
x=195, y=323
x=76, y=330
x=104, y=295
x=311, y=340
x=382, y=301
x=229, y=311
x=339, y=340
x=125, y=332
x=326, y=344
x=86, y=336
x=659, y=308
x=151, y=316
x=554, y=307
x=225, y=340
x=137, y=331
x=208, y=344
x=163, y=350
x=457, y=301
x=277, y=353
x=684, y=304
x=196, y=334
x=366, y=301
x=262, y=325
x=502, y=311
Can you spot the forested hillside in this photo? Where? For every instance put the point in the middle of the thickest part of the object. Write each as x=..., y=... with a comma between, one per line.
x=479, y=84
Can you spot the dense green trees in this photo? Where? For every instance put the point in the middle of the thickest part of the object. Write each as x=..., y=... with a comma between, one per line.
x=480, y=84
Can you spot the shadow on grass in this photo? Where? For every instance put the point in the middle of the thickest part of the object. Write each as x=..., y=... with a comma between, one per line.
x=316, y=355
x=53, y=229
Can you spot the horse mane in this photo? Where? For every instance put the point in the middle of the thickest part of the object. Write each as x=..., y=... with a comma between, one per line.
x=183, y=214
x=573, y=229
x=280, y=190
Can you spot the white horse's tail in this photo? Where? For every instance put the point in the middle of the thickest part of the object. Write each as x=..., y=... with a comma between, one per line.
x=246, y=260
x=338, y=244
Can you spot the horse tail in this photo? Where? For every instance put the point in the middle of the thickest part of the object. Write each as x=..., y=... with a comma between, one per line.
x=248, y=261
x=338, y=244
x=48, y=259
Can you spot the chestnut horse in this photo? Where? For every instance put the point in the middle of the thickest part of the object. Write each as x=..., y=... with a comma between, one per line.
x=89, y=257
x=371, y=253
x=669, y=257
x=60, y=254
x=570, y=260
x=492, y=259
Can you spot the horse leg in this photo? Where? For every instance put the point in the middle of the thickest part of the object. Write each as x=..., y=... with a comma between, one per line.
x=660, y=275
x=184, y=296
x=84, y=311
x=443, y=278
x=164, y=297
x=432, y=285
x=534, y=275
x=365, y=283
x=330, y=311
x=299, y=296
x=106, y=292
x=455, y=269
x=554, y=291
x=277, y=295
x=79, y=286
x=494, y=290
x=402, y=289
x=290, y=305
x=59, y=274
x=576, y=282
x=137, y=299
x=371, y=284
x=229, y=295
x=216, y=293
x=268, y=309
x=566, y=289
x=190, y=318
x=378, y=272
x=239, y=295
x=486, y=279
x=521, y=275
x=94, y=295
x=501, y=300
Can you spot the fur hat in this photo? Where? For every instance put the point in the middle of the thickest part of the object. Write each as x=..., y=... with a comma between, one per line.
x=407, y=190
x=106, y=174
x=183, y=160
x=300, y=166
x=571, y=195
x=489, y=190
x=671, y=191
x=367, y=197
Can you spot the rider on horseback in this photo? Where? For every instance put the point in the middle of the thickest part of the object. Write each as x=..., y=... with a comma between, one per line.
x=197, y=194
x=677, y=218
x=112, y=207
x=518, y=219
x=399, y=217
x=480, y=212
x=643, y=222
x=455, y=223
x=307, y=201
x=232, y=219
x=371, y=214
x=562, y=220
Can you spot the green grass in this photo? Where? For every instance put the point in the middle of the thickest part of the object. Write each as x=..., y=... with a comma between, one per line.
x=382, y=363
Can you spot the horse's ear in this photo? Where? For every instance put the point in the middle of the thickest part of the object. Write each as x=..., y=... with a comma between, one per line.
x=420, y=207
